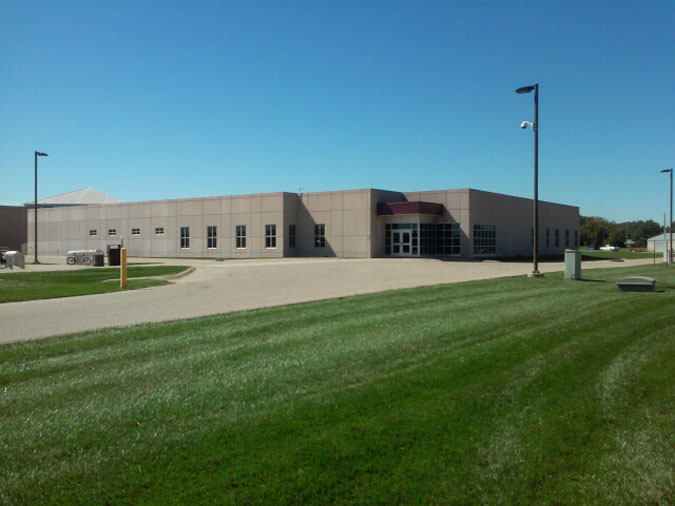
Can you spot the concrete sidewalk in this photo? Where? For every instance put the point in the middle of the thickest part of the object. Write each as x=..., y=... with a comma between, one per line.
x=224, y=286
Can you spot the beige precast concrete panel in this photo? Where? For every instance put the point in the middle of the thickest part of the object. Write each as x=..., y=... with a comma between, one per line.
x=356, y=246
x=356, y=223
x=318, y=202
x=357, y=199
x=256, y=203
x=226, y=205
x=336, y=223
x=241, y=205
x=162, y=209
x=212, y=205
x=135, y=211
x=273, y=203
x=189, y=207
x=337, y=201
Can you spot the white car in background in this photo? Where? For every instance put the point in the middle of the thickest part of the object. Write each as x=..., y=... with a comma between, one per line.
x=609, y=247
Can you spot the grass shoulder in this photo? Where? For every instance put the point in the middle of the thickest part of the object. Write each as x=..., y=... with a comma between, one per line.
x=23, y=286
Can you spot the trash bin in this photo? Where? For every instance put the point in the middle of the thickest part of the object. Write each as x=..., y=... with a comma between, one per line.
x=572, y=264
x=114, y=254
x=98, y=258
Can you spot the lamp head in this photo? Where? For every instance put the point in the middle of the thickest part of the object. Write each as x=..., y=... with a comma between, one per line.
x=525, y=89
x=37, y=153
x=667, y=170
x=526, y=124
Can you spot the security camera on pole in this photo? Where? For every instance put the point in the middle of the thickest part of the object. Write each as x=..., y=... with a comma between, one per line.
x=535, y=127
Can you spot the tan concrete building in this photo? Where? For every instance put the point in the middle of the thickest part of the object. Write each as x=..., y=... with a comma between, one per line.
x=459, y=224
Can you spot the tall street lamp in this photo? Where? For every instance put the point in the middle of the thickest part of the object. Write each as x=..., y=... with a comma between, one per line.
x=535, y=127
x=670, y=255
x=37, y=153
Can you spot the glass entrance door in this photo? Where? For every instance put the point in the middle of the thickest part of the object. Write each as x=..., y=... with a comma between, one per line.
x=400, y=242
x=402, y=239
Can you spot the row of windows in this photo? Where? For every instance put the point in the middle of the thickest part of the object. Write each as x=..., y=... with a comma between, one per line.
x=240, y=236
x=557, y=238
x=212, y=241
x=134, y=231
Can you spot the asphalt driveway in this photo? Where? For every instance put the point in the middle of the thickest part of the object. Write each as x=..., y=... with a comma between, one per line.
x=223, y=286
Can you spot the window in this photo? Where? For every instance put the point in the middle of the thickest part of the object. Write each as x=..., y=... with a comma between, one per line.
x=270, y=236
x=135, y=231
x=112, y=231
x=484, y=239
x=184, y=237
x=548, y=237
x=557, y=238
x=320, y=235
x=159, y=230
x=435, y=238
x=241, y=236
x=567, y=238
x=291, y=236
x=93, y=232
x=211, y=240
x=576, y=238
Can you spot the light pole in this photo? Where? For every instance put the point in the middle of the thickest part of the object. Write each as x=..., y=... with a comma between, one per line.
x=535, y=128
x=670, y=254
x=37, y=153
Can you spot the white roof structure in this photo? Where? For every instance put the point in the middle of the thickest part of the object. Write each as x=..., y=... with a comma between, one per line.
x=83, y=197
x=660, y=238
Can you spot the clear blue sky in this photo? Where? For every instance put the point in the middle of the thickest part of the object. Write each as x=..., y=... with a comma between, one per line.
x=167, y=99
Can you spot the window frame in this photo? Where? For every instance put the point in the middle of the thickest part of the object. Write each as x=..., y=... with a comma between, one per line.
x=320, y=235
x=159, y=230
x=484, y=239
x=93, y=232
x=240, y=236
x=291, y=236
x=271, y=236
x=112, y=232
x=136, y=231
x=184, y=237
x=211, y=238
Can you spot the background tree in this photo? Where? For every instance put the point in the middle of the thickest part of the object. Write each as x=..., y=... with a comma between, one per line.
x=596, y=231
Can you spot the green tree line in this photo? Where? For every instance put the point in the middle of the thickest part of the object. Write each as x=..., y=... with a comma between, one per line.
x=596, y=231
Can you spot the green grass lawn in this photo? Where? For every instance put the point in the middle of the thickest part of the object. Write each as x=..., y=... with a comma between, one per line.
x=622, y=253
x=529, y=391
x=20, y=286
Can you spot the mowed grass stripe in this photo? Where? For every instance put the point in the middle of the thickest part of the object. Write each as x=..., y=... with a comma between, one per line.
x=484, y=391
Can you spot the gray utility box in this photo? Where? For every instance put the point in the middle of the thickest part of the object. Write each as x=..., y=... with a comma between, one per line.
x=14, y=258
x=572, y=264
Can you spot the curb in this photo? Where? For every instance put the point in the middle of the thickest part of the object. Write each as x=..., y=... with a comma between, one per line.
x=170, y=277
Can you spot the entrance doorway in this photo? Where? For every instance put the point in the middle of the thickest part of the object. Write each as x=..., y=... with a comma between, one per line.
x=401, y=242
x=402, y=239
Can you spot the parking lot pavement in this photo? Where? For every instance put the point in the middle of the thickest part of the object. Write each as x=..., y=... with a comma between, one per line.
x=232, y=285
